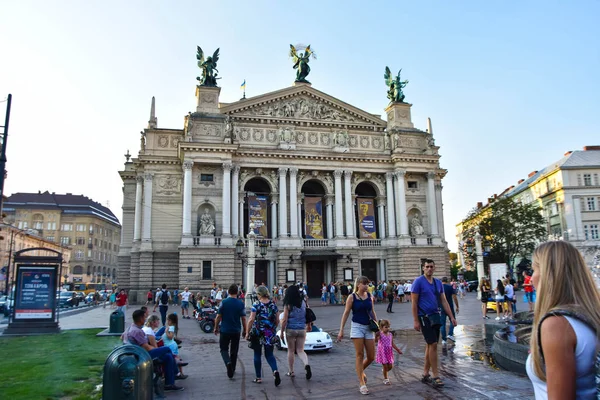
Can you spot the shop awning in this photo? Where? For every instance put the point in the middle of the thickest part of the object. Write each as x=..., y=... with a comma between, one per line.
x=321, y=255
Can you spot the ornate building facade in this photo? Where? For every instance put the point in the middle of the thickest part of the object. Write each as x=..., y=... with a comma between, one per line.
x=333, y=191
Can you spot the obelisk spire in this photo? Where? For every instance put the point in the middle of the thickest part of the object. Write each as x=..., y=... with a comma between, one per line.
x=153, y=120
x=429, y=128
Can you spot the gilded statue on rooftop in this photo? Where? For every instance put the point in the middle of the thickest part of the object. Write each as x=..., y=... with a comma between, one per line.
x=301, y=61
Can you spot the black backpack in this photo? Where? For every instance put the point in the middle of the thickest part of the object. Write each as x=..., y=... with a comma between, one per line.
x=164, y=298
x=578, y=317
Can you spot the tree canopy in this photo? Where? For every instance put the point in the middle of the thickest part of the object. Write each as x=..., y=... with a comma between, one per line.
x=510, y=228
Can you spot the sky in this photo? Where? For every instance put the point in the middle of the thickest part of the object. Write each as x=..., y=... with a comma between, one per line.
x=509, y=85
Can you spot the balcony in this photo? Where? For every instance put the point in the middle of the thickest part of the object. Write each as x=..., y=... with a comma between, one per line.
x=369, y=242
x=316, y=242
x=207, y=241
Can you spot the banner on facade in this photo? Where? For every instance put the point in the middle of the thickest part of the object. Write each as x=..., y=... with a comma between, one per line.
x=366, y=218
x=257, y=213
x=313, y=217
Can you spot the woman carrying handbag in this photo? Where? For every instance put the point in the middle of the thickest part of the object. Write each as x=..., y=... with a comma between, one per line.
x=363, y=328
x=295, y=325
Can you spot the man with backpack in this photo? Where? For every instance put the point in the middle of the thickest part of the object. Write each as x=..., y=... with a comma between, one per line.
x=162, y=302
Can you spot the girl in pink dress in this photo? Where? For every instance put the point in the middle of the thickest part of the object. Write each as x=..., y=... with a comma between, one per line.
x=385, y=346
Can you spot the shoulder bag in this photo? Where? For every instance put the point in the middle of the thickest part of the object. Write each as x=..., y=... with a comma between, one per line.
x=310, y=315
x=435, y=319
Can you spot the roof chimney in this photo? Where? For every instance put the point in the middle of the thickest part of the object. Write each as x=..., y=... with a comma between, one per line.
x=588, y=148
x=532, y=173
x=520, y=181
x=569, y=152
x=479, y=205
x=495, y=196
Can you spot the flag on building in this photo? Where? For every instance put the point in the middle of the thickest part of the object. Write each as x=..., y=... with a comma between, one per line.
x=243, y=85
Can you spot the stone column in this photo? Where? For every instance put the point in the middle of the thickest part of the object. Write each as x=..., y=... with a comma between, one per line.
x=137, y=216
x=283, y=232
x=439, y=208
x=381, y=218
x=147, y=228
x=348, y=204
x=272, y=280
x=293, y=202
x=300, y=224
x=391, y=211
x=339, y=226
x=187, y=197
x=431, y=207
x=273, y=216
x=401, y=201
x=226, y=213
x=382, y=270
x=329, y=216
x=235, y=191
x=241, y=215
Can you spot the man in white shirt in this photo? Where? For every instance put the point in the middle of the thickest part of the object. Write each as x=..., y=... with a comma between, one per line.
x=185, y=303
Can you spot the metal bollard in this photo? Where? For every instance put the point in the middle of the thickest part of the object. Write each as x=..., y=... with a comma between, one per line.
x=117, y=322
x=128, y=374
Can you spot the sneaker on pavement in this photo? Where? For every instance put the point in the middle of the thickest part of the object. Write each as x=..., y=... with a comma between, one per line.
x=450, y=337
x=497, y=318
x=443, y=342
x=181, y=376
x=173, y=388
x=182, y=364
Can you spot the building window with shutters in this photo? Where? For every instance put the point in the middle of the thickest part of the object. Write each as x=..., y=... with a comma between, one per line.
x=206, y=270
x=587, y=179
x=591, y=204
x=65, y=240
x=594, y=231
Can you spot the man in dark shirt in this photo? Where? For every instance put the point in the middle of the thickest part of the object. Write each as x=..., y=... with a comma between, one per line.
x=452, y=300
x=231, y=311
x=136, y=336
x=344, y=291
x=389, y=292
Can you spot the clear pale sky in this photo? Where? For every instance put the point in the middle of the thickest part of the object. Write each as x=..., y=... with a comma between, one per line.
x=509, y=85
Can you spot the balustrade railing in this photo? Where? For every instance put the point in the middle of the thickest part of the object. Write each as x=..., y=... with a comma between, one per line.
x=369, y=242
x=316, y=243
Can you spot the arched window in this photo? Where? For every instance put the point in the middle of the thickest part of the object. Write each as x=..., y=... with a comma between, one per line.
x=78, y=270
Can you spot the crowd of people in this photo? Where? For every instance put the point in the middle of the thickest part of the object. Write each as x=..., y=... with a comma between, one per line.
x=562, y=358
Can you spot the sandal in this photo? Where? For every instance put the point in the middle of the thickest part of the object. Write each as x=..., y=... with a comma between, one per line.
x=365, y=378
x=363, y=389
x=257, y=380
x=290, y=374
x=437, y=382
x=426, y=378
x=386, y=382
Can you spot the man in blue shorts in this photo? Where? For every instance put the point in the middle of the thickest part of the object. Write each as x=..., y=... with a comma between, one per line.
x=427, y=298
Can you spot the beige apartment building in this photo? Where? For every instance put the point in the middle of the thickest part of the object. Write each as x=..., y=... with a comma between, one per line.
x=90, y=230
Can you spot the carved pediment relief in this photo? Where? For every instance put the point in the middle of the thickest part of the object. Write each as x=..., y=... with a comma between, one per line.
x=302, y=104
x=168, y=185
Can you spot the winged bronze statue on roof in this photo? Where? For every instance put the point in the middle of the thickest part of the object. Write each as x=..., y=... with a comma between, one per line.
x=395, y=85
x=208, y=67
x=301, y=61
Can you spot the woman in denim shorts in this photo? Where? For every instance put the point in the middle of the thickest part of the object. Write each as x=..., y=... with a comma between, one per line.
x=361, y=304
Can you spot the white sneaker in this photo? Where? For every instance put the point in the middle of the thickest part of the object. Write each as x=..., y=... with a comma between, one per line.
x=450, y=337
x=443, y=342
x=497, y=318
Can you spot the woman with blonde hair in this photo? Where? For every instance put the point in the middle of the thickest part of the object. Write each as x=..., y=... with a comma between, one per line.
x=363, y=338
x=566, y=324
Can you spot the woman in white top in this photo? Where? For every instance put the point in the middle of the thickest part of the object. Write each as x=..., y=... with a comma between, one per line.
x=509, y=293
x=561, y=364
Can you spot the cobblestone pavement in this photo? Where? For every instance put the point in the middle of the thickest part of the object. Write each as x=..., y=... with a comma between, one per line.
x=466, y=367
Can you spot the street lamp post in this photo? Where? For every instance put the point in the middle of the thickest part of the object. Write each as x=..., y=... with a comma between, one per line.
x=251, y=261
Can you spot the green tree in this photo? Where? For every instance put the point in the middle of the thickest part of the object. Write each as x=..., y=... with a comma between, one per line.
x=511, y=229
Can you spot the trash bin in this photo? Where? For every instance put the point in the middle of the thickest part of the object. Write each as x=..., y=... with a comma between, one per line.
x=117, y=322
x=127, y=374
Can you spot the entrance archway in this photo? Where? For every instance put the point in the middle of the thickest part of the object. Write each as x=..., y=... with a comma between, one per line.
x=312, y=212
x=257, y=201
x=365, y=211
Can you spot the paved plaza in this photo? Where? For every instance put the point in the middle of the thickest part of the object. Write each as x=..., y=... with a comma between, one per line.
x=466, y=367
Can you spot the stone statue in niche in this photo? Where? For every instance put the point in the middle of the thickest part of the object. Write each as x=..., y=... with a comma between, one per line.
x=416, y=229
x=386, y=141
x=207, y=225
x=228, y=128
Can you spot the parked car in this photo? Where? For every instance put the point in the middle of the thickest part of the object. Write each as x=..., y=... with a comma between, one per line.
x=67, y=299
x=6, y=304
x=3, y=301
x=89, y=299
x=80, y=297
x=316, y=339
x=472, y=286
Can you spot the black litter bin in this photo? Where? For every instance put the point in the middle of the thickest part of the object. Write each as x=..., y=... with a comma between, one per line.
x=127, y=374
x=117, y=322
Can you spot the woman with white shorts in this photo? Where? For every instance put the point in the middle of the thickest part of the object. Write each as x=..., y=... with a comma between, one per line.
x=361, y=304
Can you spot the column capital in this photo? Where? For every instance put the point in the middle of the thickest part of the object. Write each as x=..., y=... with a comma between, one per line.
x=139, y=179
x=329, y=199
x=430, y=175
x=400, y=173
x=389, y=176
x=148, y=176
x=337, y=173
x=293, y=171
x=236, y=169
x=381, y=201
x=282, y=171
x=188, y=165
x=347, y=174
x=227, y=166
